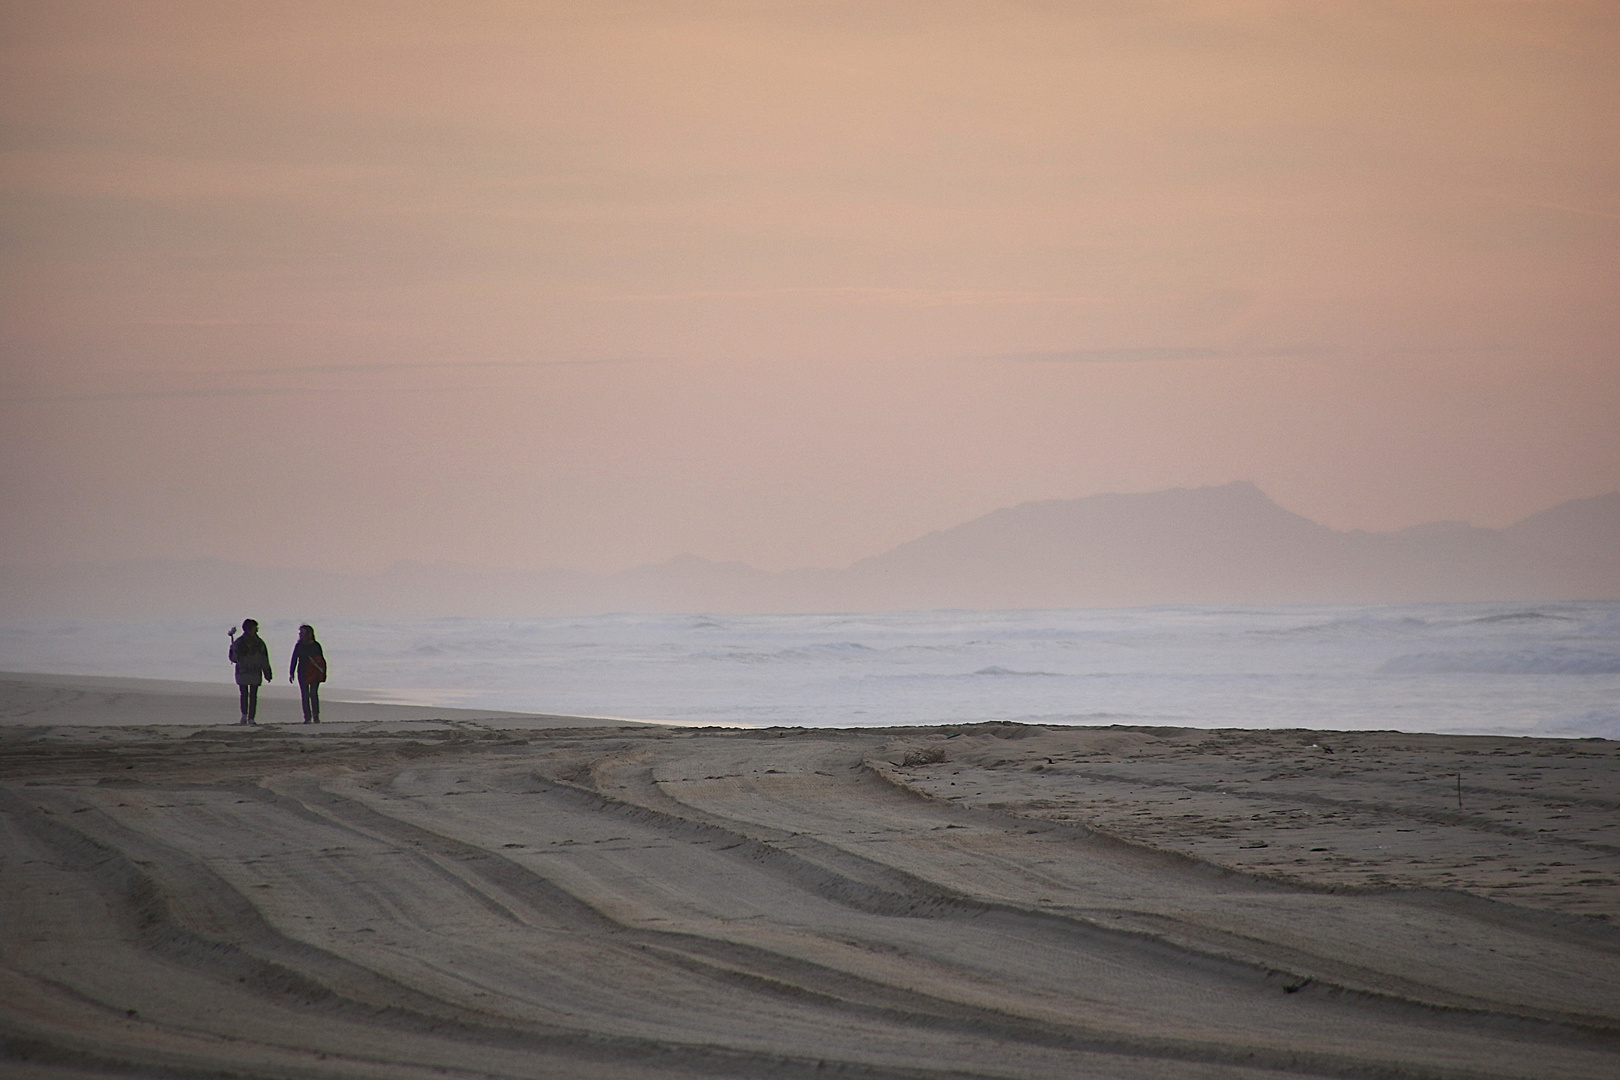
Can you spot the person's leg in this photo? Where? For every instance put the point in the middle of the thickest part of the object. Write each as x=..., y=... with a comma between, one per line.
x=243, y=691
x=253, y=703
x=315, y=700
x=306, y=691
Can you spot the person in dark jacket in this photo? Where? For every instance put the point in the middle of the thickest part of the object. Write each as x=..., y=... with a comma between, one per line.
x=308, y=667
x=252, y=659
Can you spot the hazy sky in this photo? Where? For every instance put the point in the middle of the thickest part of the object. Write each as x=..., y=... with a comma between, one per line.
x=592, y=284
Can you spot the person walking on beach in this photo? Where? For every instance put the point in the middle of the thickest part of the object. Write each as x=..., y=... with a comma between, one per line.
x=252, y=659
x=308, y=667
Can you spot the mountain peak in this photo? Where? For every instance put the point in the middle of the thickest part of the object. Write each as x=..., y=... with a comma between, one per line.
x=1218, y=544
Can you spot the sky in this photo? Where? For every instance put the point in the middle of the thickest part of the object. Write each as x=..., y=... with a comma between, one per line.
x=530, y=284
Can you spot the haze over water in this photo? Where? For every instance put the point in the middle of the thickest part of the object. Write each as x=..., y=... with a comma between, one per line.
x=1550, y=669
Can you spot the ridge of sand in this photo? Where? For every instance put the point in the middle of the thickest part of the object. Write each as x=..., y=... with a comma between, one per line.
x=641, y=902
x=1528, y=821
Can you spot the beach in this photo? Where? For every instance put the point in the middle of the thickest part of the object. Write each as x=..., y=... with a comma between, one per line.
x=416, y=891
x=102, y=701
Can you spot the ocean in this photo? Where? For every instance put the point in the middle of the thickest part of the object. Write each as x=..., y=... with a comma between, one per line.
x=1520, y=669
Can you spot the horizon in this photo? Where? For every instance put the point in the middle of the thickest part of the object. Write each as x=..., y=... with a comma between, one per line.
x=1227, y=544
x=699, y=557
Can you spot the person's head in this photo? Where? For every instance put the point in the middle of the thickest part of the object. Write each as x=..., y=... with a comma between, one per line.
x=306, y=633
x=250, y=626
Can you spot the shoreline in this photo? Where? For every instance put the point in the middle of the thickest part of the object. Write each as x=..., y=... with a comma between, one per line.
x=107, y=701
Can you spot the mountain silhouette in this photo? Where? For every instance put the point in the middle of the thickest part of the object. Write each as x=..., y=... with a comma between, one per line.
x=1228, y=544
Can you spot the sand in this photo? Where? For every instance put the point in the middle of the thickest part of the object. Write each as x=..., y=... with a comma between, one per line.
x=96, y=701
x=486, y=896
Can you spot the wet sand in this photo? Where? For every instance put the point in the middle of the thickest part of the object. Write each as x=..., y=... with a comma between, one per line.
x=97, y=701
x=467, y=897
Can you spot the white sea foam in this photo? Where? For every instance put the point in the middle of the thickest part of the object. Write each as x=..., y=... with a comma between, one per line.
x=1594, y=723
x=1486, y=668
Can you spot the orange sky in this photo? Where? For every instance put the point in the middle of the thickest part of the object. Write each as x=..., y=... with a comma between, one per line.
x=593, y=284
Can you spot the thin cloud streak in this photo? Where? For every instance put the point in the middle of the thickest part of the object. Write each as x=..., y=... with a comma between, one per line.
x=242, y=323
x=914, y=297
x=244, y=392
x=412, y=365
x=1583, y=211
x=313, y=369
x=1153, y=354
x=151, y=395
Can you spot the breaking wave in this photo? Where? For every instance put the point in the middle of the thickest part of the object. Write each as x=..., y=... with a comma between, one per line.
x=995, y=669
x=1519, y=617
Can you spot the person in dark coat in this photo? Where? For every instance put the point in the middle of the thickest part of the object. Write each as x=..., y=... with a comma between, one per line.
x=308, y=668
x=252, y=659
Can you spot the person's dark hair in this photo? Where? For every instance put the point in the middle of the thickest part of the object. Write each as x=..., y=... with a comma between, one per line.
x=308, y=627
x=250, y=625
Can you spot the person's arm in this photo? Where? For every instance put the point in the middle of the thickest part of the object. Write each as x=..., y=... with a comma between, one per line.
x=292, y=665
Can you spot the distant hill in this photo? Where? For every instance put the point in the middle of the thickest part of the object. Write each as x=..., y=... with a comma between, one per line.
x=1233, y=545
x=1211, y=545
x=1583, y=536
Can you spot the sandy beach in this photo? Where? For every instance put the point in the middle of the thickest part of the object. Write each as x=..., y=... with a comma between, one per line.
x=98, y=701
x=406, y=892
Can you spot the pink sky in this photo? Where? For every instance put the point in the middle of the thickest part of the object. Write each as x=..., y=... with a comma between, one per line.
x=594, y=284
